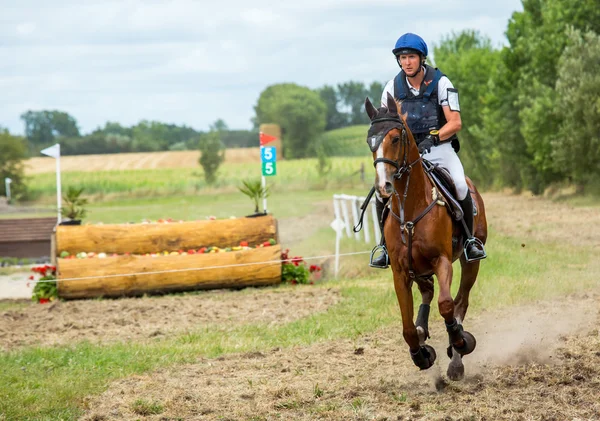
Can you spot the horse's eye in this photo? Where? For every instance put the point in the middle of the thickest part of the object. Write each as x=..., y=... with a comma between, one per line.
x=395, y=139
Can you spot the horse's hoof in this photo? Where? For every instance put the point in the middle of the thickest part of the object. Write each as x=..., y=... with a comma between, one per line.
x=469, y=344
x=424, y=358
x=456, y=372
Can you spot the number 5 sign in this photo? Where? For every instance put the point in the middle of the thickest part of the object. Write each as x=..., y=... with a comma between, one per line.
x=268, y=157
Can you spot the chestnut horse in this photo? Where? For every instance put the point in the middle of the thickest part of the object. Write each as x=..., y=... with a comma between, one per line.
x=422, y=239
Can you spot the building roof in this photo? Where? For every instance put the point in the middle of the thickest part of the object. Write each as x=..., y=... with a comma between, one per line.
x=26, y=229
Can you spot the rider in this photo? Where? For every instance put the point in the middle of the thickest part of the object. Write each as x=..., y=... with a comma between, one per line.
x=433, y=116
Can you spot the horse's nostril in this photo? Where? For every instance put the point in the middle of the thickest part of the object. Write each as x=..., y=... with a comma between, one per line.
x=389, y=188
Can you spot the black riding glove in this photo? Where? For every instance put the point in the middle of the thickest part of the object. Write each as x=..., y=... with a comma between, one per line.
x=428, y=142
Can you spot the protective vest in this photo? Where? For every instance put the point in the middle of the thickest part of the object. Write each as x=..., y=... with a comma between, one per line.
x=423, y=112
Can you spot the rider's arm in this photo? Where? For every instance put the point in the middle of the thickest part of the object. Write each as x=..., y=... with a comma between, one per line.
x=453, y=123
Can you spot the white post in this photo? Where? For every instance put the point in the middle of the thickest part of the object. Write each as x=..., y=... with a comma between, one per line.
x=366, y=228
x=346, y=217
x=7, y=182
x=338, y=236
x=54, y=152
x=264, y=186
x=376, y=228
x=354, y=204
x=58, y=186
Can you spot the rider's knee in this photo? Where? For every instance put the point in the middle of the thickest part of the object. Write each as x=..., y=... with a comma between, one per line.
x=461, y=188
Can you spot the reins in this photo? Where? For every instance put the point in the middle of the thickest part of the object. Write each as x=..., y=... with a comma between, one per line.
x=401, y=170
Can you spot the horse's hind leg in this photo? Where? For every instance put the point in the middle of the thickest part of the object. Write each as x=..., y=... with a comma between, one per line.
x=468, y=277
x=426, y=288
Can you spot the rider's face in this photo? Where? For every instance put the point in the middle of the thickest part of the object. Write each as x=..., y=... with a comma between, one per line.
x=411, y=63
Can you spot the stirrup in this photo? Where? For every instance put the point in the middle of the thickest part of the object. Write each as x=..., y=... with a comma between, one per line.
x=383, y=250
x=479, y=243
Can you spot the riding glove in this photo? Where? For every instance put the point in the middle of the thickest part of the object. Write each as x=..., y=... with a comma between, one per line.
x=428, y=142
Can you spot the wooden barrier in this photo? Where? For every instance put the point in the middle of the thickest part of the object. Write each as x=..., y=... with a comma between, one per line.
x=248, y=273
x=153, y=238
x=134, y=273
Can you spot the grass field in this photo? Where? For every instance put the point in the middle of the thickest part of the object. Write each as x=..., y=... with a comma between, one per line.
x=47, y=383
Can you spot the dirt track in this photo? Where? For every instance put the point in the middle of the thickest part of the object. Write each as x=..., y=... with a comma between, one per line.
x=521, y=371
x=541, y=363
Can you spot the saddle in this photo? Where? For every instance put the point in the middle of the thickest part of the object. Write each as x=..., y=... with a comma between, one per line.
x=441, y=179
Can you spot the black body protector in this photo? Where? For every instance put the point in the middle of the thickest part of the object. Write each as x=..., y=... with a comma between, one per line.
x=423, y=112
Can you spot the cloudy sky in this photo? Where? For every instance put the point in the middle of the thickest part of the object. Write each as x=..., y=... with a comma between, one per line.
x=191, y=62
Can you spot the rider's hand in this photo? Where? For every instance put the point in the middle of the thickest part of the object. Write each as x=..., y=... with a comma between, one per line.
x=428, y=142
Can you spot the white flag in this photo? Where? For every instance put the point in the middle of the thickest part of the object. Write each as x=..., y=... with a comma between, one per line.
x=53, y=151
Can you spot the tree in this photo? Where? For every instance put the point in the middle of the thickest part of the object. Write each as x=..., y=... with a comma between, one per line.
x=43, y=128
x=335, y=119
x=468, y=59
x=352, y=95
x=538, y=38
x=576, y=148
x=212, y=154
x=13, y=151
x=299, y=111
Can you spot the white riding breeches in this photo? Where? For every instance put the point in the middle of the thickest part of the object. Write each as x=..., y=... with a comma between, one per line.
x=444, y=156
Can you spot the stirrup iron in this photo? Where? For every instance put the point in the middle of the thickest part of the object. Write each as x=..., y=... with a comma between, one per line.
x=383, y=249
x=479, y=243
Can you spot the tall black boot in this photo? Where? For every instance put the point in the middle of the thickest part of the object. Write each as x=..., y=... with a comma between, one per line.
x=474, y=249
x=382, y=260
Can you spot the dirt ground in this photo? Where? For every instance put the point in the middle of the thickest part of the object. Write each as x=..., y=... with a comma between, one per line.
x=522, y=370
x=138, y=319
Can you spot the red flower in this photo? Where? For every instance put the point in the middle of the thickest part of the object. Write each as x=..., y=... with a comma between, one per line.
x=31, y=278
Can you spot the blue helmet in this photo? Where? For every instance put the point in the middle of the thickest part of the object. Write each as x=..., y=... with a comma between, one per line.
x=410, y=43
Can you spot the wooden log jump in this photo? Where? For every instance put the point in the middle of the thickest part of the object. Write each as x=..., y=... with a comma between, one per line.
x=152, y=238
x=132, y=271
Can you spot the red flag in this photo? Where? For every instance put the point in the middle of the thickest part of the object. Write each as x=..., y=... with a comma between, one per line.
x=265, y=138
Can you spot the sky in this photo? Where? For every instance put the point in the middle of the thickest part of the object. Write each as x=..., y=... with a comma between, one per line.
x=190, y=63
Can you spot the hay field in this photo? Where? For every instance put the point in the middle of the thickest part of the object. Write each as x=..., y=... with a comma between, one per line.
x=134, y=161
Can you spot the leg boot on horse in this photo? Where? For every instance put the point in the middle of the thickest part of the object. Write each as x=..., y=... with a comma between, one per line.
x=474, y=249
x=382, y=261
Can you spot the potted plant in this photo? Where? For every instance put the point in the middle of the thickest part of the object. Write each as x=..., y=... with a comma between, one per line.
x=255, y=191
x=74, y=206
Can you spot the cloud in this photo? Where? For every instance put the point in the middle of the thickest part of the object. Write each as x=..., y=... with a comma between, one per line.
x=187, y=62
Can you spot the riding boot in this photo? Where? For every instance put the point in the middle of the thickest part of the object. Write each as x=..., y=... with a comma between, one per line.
x=382, y=261
x=474, y=249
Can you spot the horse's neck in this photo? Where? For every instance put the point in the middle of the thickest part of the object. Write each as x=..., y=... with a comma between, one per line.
x=418, y=186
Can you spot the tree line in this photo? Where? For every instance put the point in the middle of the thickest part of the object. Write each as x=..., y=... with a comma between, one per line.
x=530, y=110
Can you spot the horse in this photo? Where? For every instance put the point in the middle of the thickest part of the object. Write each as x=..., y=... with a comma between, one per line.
x=422, y=239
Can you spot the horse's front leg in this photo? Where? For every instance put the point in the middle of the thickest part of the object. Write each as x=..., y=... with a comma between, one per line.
x=461, y=342
x=422, y=355
x=426, y=289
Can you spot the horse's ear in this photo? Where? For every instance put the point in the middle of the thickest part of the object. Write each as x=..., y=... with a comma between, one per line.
x=391, y=104
x=371, y=111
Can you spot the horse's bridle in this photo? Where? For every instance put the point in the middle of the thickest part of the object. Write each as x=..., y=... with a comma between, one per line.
x=405, y=168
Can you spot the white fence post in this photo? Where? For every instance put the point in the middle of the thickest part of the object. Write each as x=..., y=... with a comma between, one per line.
x=342, y=216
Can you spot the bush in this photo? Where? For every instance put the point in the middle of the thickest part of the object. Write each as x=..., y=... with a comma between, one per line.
x=212, y=155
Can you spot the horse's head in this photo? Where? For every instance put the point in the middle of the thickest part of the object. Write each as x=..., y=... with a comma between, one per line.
x=388, y=140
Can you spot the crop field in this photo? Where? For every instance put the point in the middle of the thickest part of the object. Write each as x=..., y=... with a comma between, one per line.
x=164, y=181
x=331, y=351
